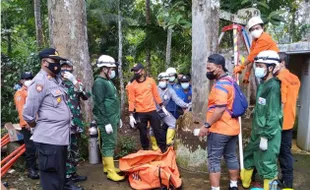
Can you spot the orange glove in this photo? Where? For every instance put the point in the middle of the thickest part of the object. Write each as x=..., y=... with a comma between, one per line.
x=238, y=69
x=246, y=77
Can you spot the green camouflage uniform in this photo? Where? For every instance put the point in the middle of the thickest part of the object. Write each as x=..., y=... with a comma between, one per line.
x=77, y=126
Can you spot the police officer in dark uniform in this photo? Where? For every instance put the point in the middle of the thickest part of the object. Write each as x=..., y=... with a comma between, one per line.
x=46, y=109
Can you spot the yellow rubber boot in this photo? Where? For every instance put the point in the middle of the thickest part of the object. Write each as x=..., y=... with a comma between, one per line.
x=246, y=177
x=267, y=183
x=112, y=175
x=154, y=143
x=105, y=170
x=170, y=136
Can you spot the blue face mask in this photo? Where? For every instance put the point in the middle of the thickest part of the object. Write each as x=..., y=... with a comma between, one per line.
x=112, y=74
x=260, y=72
x=185, y=85
x=172, y=79
x=162, y=84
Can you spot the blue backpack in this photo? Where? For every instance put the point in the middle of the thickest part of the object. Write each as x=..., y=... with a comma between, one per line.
x=240, y=103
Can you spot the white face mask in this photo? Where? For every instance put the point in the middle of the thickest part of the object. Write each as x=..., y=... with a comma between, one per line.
x=172, y=79
x=185, y=85
x=27, y=83
x=112, y=74
x=257, y=33
x=260, y=72
x=162, y=84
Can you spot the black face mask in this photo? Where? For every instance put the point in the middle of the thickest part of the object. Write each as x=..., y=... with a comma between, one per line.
x=138, y=76
x=211, y=75
x=54, y=67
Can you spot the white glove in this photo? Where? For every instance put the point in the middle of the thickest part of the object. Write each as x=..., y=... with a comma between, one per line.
x=120, y=123
x=70, y=77
x=165, y=111
x=263, y=145
x=108, y=129
x=132, y=121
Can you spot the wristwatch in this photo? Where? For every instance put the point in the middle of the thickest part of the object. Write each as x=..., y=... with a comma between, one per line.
x=207, y=125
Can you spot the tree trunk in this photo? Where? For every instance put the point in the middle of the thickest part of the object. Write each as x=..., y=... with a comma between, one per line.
x=147, y=12
x=168, y=48
x=68, y=34
x=305, y=7
x=205, y=25
x=191, y=151
x=148, y=21
x=9, y=44
x=120, y=56
x=38, y=21
x=293, y=26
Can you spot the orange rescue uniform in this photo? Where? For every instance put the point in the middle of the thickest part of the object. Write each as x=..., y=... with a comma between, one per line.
x=20, y=100
x=264, y=42
x=290, y=85
x=141, y=96
x=222, y=95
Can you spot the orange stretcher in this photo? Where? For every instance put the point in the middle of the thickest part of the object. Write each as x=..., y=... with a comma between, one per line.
x=9, y=160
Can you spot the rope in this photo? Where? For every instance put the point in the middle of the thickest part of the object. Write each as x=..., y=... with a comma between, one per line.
x=196, y=171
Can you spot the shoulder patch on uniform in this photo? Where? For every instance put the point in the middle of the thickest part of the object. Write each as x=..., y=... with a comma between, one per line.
x=18, y=98
x=59, y=99
x=39, y=87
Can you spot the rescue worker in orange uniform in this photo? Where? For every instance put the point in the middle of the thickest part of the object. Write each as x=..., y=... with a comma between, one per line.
x=141, y=95
x=222, y=129
x=20, y=100
x=261, y=41
x=290, y=85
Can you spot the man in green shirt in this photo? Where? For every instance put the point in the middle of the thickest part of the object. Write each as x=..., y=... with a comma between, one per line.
x=107, y=113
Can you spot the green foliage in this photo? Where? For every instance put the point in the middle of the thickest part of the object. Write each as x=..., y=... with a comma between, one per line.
x=83, y=146
x=126, y=145
x=271, y=11
x=10, y=75
x=177, y=15
x=18, y=45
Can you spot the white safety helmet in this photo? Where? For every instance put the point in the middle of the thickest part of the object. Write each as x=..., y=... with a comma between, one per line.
x=171, y=70
x=268, y=57
x=163, y=76
x=106, y=61
x=254, y=21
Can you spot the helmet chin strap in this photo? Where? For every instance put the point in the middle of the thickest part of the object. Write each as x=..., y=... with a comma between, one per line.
x=267, y=71
x=106, y=73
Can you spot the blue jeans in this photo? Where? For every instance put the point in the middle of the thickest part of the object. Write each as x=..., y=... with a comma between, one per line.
x=286, y=158
x=219, y=146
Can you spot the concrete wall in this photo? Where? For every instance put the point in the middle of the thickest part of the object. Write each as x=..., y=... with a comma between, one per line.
x=303, y=133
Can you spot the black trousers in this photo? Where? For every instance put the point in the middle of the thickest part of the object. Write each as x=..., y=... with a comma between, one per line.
x=30, y=149
x=286, y=158
x=52, y=165
x=159, y=132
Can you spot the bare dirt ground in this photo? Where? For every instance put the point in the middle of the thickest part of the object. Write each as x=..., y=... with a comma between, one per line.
x=97, y=179
x=191, y=180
